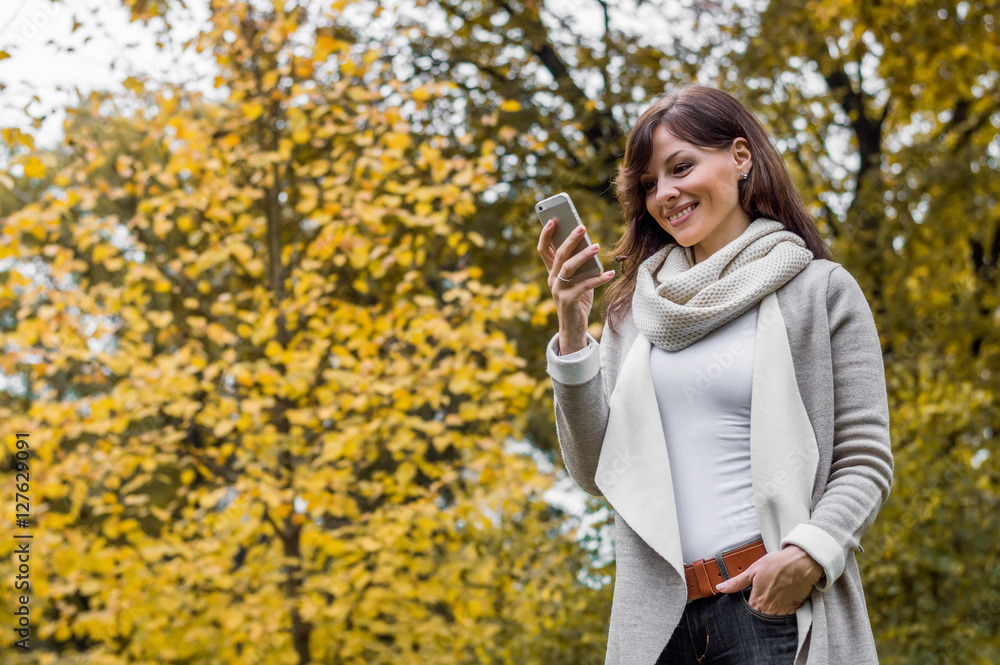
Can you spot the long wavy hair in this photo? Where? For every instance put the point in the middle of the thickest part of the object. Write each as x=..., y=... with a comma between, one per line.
x=707, y=118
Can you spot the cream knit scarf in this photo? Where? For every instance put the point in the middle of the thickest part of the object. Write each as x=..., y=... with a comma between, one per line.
x=677, y=302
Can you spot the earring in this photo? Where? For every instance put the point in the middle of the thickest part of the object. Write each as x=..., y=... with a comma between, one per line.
x=744, y=176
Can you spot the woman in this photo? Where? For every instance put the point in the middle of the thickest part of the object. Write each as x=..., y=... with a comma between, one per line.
x=736, y=520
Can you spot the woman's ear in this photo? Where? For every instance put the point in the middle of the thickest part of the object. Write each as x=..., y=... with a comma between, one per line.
x=741, y=155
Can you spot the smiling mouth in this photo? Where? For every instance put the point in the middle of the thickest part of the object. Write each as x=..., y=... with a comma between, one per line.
x=681, y=213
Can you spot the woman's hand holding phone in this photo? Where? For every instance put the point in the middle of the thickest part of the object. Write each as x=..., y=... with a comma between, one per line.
x=573, y=301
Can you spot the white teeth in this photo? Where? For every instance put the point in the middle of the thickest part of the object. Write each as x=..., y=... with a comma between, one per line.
x=681, y=213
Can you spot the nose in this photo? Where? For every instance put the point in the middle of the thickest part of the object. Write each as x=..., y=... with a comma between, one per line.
x=666, y=191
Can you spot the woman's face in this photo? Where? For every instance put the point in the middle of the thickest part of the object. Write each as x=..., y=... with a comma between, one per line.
x=692, y=192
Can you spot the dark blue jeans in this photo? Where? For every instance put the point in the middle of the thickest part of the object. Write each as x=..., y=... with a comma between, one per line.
x=725, y=630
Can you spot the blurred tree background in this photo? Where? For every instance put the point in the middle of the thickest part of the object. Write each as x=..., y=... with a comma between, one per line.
x=276, y=342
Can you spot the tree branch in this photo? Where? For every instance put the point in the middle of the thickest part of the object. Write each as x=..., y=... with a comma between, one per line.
x=867, y=130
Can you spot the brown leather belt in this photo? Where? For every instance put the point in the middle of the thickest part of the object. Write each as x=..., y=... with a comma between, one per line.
x=704, y=574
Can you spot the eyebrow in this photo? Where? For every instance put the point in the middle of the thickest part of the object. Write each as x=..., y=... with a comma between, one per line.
x=666, y=161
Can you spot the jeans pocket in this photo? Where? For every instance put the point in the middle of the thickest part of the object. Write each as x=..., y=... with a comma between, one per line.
x=745, y=597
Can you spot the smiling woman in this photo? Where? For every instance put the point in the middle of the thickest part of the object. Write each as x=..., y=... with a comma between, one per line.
x=738, y=506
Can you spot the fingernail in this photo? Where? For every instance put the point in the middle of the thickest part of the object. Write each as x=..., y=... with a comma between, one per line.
x=610, y=273
x=721, y=586
x=580, y=229
x=548, y=224
x=595, y=247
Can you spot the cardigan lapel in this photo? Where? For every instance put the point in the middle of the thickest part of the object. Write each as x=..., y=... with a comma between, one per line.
x=783, y=449
x=633, y=471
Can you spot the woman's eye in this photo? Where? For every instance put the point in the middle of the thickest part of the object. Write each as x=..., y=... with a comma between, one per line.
x=682, y=167
x=648, y=184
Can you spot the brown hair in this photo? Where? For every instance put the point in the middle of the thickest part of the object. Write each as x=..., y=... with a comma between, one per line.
x=707, y=118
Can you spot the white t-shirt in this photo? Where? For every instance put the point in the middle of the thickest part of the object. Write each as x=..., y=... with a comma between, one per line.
x=703, y=394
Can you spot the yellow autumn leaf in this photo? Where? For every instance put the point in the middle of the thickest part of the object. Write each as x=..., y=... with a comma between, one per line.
x=33, y=168
x=102, y=252
x=252, y=111
x=397, y=140
x=160, y=319
x=223, y=427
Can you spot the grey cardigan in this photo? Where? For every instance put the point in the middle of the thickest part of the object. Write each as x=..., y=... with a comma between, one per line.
x=820, y=459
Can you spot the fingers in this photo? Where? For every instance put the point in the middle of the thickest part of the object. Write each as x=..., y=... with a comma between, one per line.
x=738, y=583
x=564, y=262
x=544, y=247
x=577, y=261
x=590, y=284
x=545, y=243
x=565, y=250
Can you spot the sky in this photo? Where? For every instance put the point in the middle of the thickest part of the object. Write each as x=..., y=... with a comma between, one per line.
x=51, y=60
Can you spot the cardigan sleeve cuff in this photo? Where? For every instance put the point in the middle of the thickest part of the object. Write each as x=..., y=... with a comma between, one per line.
x=573, y=368
x=822, y=547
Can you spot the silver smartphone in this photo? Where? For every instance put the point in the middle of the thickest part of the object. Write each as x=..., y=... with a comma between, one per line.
x=561, y=206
